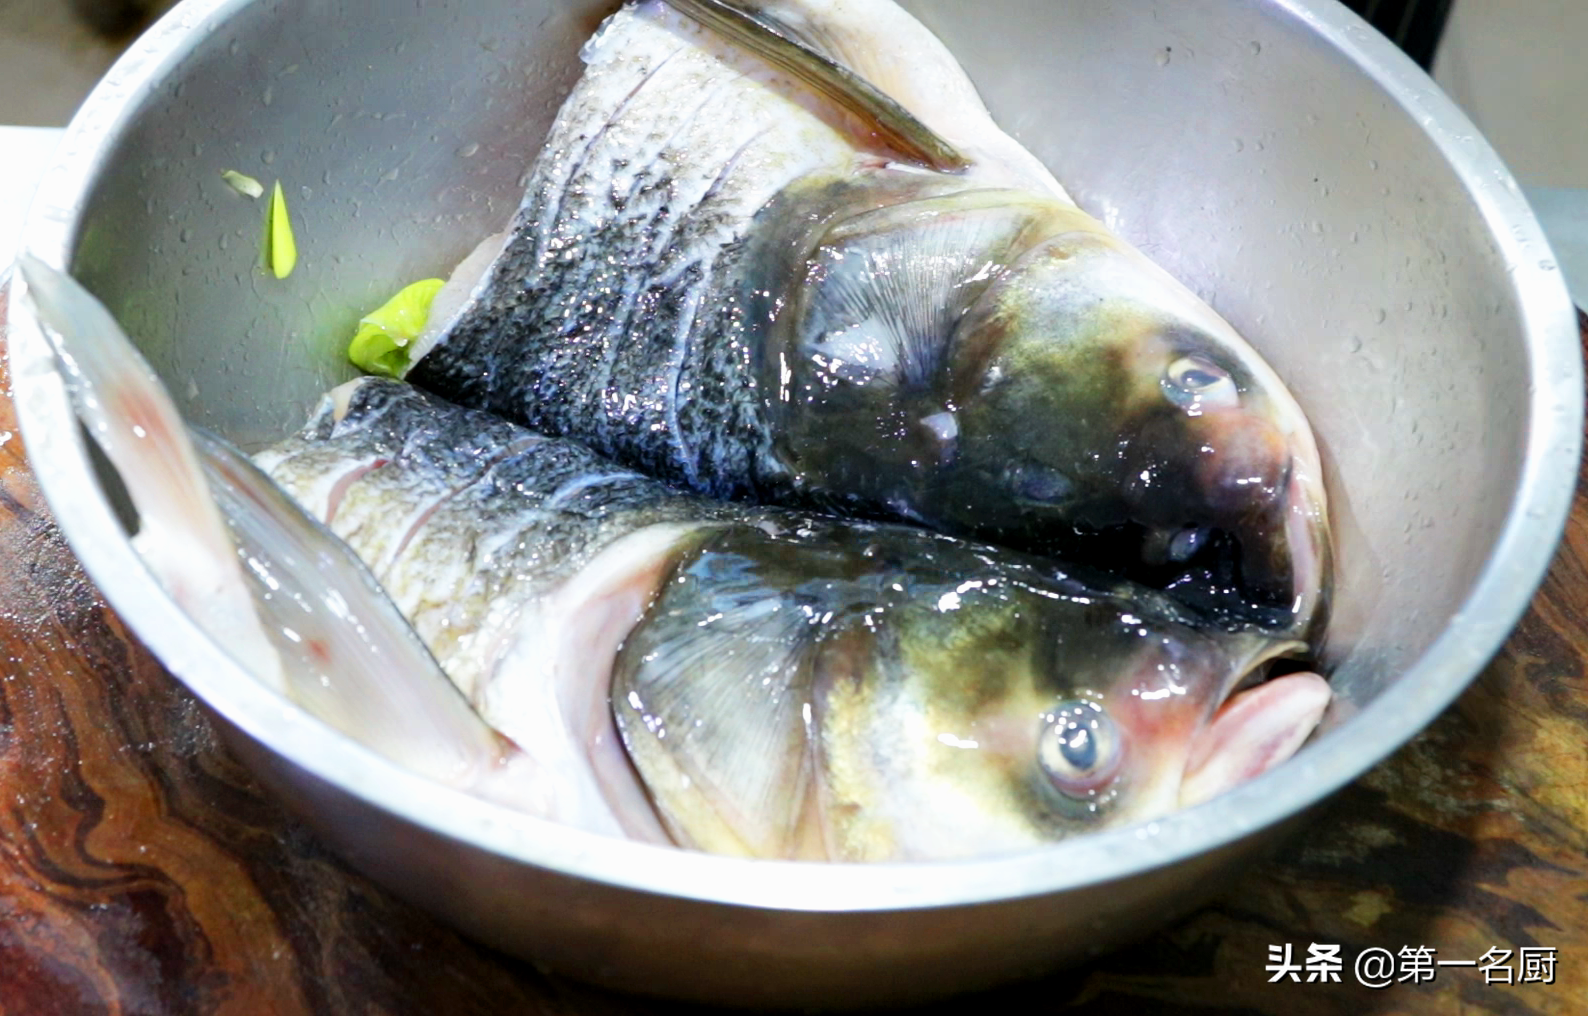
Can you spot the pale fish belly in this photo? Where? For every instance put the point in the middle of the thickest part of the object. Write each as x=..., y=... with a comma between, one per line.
x=611, y=314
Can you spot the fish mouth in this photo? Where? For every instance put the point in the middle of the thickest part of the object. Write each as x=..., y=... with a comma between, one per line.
x=1254, y=730
x=1269, y=706
x=1263, y=703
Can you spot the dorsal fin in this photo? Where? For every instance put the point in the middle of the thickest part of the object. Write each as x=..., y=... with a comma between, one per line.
x=779, y=45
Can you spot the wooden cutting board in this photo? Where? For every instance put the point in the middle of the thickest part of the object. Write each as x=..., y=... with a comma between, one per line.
x=142, y=870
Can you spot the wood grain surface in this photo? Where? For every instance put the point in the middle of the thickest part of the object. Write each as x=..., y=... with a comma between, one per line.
x=142, y=870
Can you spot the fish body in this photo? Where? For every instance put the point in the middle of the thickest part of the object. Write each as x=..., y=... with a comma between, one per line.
x=721, y=277
x=767, y=682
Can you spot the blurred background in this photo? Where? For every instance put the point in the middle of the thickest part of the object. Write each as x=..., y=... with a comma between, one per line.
x=1515, y=66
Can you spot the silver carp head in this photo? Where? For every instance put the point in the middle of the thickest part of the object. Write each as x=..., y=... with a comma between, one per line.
x=804, y=694
x=998, y=364
x=779, y=251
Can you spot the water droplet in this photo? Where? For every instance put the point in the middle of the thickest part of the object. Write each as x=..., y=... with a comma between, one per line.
x=234, y=47
x=1381, y=316
x=185, y=235
x=1373, y=165
x=1256, y=48
x=1165, y=55
x=1240, y=146
x=269, y=96
x=267, y=157
x=1547, y=265
x=391, y=175
x=469, y=150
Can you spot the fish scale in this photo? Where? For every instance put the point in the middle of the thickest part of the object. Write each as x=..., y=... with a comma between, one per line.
x=626, y=251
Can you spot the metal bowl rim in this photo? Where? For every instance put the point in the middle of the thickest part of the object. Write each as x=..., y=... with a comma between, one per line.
x=1514, y=570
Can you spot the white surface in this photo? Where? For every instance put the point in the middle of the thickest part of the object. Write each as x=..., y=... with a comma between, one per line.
x=27, y=151
x=1517, y=68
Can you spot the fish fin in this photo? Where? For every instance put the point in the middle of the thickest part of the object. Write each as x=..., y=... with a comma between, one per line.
x=351, y=658
x=712, y=699
x=181, y=537
x=1253, y=732
x=303, y=617
x=780, y=45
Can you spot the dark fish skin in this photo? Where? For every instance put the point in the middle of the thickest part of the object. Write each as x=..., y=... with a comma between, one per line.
x=662, y=379
x=629, y=309
x=478, y=478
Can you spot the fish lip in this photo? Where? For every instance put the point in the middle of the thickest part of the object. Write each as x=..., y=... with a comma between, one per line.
x=1260, y=650
x=1204, y=745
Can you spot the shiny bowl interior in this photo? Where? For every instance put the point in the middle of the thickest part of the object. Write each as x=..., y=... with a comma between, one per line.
x=1277, y=155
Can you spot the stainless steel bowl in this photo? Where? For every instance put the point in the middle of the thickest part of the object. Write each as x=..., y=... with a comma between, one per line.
x=1276, y=154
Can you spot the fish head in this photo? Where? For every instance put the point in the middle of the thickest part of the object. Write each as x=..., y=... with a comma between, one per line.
x=829, y=690
x=999, y=366
x=1105, y=412
x=1009, y=716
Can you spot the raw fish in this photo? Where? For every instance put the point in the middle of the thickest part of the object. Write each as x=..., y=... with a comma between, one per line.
x=784, y=684
x=790, y=258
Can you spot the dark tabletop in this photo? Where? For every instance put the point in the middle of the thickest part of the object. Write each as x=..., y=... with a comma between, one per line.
x=143, y=871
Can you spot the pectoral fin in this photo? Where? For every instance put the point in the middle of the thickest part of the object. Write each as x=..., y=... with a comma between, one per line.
x=777, y=44
x=301, y=614
x=126, y=409
x=352, y=660
x=711, y=696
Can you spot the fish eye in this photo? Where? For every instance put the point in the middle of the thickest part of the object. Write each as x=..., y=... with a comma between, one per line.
x=1080, y=749
x=1196, y=383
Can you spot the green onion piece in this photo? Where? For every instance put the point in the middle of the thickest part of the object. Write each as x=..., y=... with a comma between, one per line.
x=244, y=185
x=381, y=344
x=283, y=248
